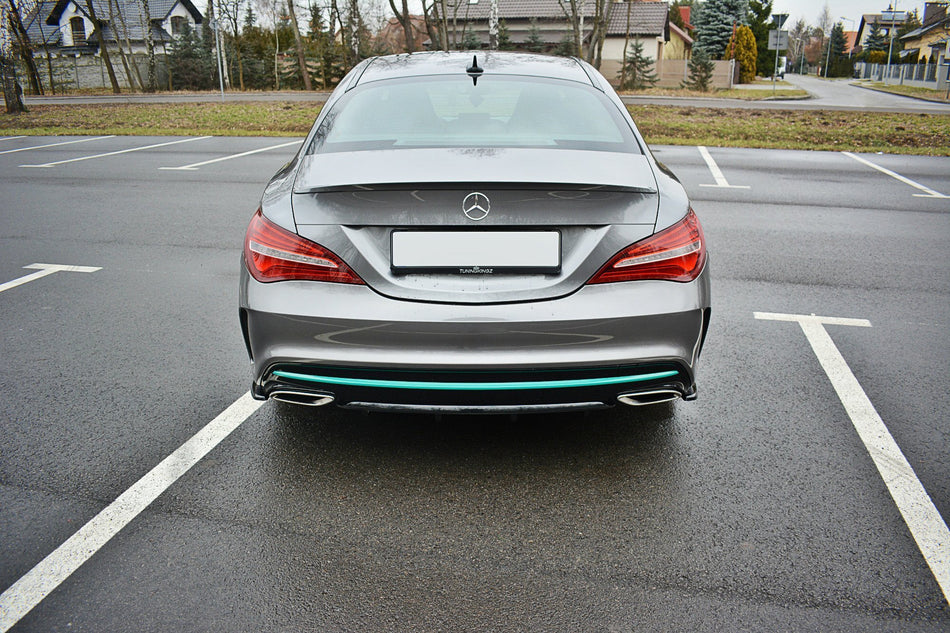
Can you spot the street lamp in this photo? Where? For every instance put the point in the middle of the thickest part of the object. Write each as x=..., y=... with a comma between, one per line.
x=893, y=16
x=850, y=48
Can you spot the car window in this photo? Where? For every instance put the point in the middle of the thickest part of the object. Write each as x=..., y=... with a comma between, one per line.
x=456, y=112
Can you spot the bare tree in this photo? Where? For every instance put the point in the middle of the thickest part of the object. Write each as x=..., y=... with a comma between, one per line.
x=405, y=20
x=23, y=46
x=574, y=12
x=602, y=11
x=113, y=12
x=149, y=47
x=11, y=89
x=103, y=45
x=300, y=56
x=230, y=10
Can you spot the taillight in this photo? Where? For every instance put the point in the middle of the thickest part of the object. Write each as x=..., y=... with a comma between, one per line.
x=674, y=254
x=275, y=254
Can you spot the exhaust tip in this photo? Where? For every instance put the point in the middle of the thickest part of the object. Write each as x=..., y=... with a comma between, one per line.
x=643, y=398
x=304, y=398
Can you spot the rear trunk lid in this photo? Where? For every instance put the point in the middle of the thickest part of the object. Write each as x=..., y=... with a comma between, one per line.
x=475, y=225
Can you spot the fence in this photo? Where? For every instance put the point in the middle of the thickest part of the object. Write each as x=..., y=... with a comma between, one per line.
x=673, y=72
x=920, y=75
x=88, y=72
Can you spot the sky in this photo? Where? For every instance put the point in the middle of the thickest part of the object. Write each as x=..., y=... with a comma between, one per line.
x=851, y=9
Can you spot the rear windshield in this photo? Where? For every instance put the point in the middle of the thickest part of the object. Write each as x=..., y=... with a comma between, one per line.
x=452, y=112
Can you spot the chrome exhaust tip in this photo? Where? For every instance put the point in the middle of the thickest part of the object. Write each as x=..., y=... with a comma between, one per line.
x=305, y=398
x=642, y=398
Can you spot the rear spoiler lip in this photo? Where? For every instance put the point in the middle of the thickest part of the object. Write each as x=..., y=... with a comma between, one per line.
x=469, y=186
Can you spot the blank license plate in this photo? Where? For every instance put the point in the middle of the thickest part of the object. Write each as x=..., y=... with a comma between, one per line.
x=482, y=252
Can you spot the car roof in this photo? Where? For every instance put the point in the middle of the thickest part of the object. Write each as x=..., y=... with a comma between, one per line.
x=492, y=63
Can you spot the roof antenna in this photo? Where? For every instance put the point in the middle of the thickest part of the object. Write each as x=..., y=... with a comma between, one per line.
x=474, y=71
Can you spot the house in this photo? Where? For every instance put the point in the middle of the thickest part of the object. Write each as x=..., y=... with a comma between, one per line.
x=929, y=42
x=64, y=27
x=864, y=27
x=648, y=20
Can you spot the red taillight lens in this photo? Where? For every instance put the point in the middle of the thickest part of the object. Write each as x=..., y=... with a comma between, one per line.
x=674, y=254
x=275, y=254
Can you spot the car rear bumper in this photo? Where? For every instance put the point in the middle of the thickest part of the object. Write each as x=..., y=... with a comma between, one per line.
x=316, y=343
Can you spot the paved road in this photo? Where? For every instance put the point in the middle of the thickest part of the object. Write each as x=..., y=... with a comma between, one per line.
x=839, y=93
x=757, y=507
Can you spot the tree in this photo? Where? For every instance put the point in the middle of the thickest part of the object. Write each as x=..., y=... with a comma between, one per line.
x=876, y=40
x=405, y=20
x=565, y=48
x=103, y=45
x=598, y=35
x=574, y=12
x=534, y=43
x=11, y=88
x=840, y=65
x=742, y=48
x=797, y=38
x=637, y=72
x=504, y=37
x=700, y=72
x=24, y=47
x=299, y=46
x=715, y=21
x=149, y=45
x=760, y=21
x=189, y=62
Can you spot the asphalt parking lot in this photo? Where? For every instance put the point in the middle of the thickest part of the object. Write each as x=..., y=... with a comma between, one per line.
x=773, y=502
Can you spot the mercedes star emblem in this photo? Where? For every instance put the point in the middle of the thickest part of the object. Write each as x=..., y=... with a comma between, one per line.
x=476, y=206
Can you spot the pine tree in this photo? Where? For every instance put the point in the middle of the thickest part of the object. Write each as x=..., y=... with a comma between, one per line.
x=743, y=49
x=565, y=48
x=534, y=43
x=470, y=41
x=876, y=40
x=504, y=37
x=714, y=23
x=190, y=64
x=638, y=70
x=700, y=71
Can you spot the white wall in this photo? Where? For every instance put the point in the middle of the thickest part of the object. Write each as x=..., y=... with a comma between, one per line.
x=66, y=28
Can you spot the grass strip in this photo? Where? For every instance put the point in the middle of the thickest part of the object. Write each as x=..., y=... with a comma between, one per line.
x=891, y=133
x=894, y=133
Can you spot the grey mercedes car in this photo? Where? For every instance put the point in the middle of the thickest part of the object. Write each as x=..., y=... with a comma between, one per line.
x=474, y=233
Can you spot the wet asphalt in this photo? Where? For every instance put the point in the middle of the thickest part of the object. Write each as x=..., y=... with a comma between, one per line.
x=756, y=507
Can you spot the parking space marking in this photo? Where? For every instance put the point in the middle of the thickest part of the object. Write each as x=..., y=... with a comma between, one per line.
x=921, y=516
x=11, y=138
x=121, y=151
x=721, y=181
x=82, y=140
x=195, y=166
x=43, y=270
x=27, y=592
x=928, y=192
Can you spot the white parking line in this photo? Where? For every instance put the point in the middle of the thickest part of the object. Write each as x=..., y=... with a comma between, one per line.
x=717, y=173
x=27, y=592
x=82, y=140
x=43, y=271
x=928, y=192
x=195, y=166
x=11, y=138
x=921, y=516
x=121, y=151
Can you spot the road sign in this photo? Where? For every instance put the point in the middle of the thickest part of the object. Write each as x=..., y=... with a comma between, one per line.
x=778, y=40
x=778, y=19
